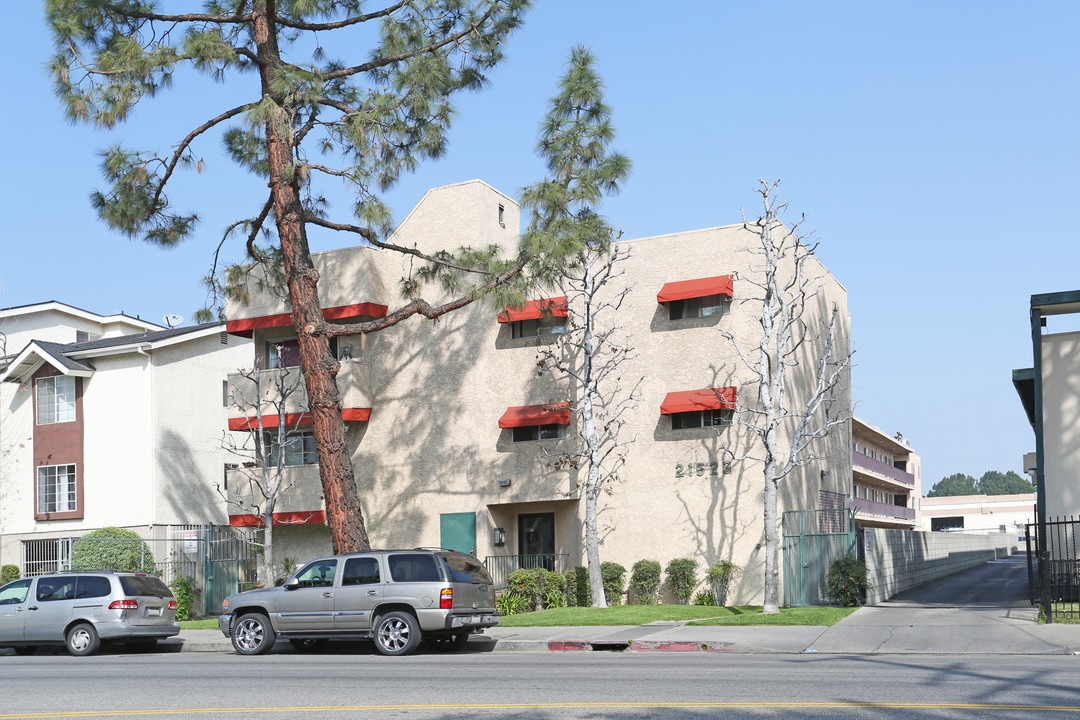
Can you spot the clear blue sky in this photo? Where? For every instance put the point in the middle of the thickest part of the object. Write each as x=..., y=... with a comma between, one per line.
x=932, y=145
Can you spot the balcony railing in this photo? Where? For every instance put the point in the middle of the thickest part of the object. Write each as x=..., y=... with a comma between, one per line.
x=869, y=507
x=869, y=464
x=500, y=566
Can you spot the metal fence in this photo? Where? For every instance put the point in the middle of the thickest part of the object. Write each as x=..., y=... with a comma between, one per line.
x=1054, y=568
x=219, y=560
x=500, y=566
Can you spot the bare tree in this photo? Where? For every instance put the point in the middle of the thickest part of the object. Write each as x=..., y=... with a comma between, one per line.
x=263, y=450
x=593, y=359
x=800, y=364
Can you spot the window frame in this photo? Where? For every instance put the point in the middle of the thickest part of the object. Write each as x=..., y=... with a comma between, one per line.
x=720, y=417
x=61, y=410
x=706, y=306
x=538, y=327
x=307, y=453
x=538, y=433
x=71, y=491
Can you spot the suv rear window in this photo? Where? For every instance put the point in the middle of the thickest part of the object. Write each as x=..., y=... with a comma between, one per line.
x=466, y=568
x=136, y=585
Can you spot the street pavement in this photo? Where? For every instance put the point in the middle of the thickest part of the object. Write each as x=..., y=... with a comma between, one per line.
x=984, y=610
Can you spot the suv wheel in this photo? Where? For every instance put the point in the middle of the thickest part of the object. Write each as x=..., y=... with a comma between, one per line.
x=82, y=640
x=252, y=634
x=396, y=633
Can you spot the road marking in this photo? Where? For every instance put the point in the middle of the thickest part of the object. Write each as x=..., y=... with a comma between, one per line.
x=550, y=706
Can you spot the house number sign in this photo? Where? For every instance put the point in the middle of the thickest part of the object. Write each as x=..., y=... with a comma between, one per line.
x=700, y=469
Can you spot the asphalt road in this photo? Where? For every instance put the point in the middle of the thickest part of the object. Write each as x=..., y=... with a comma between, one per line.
x=355, y=682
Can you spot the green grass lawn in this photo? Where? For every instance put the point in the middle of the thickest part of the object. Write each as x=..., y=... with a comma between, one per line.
x=691, y=614
x=645, y=614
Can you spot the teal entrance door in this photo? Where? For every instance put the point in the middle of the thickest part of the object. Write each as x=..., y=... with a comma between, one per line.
x=457, y=531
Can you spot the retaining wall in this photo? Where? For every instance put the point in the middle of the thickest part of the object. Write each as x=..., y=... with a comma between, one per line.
x=897, y=560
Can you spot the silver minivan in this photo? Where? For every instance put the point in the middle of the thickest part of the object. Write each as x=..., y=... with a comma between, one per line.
x=79, y=610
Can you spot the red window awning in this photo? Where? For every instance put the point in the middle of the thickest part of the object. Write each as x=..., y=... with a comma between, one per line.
x=697, y=400
x=247, y=326
x=702, y=287
x=295, y=419
x=312, y=517
x=535, y=309
x=526, y=415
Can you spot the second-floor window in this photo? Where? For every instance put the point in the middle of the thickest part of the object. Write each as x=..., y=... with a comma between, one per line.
x=55, y=400
x=299, y=449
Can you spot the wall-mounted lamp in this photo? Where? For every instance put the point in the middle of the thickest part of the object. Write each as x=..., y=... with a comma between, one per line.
x=825, y=474
x=498, y=537
x=504, y=482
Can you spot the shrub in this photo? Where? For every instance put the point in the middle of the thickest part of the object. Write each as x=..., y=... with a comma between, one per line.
x=540, y=588
x=577, y=587
x=846, y=581
x=8, y=573
x=704, y=598
x=645, y=582
x=720, y=576
x=183, y=588
x=510, y=603
x=680, y=580
x=112, y=548
x=614, y=576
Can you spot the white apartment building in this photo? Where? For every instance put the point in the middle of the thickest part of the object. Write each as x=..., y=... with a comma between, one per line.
x=107, y=421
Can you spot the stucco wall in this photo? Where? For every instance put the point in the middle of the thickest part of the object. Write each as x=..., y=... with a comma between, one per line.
x=897, y=560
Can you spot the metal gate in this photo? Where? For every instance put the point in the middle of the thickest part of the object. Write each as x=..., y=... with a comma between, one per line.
x=812, y=539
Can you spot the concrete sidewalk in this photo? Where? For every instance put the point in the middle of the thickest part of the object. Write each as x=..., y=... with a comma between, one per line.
x=879, y=630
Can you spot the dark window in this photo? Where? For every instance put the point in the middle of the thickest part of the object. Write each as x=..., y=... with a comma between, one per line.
x=538, y=327
x=55, y=589
x=530, y=433
x=361, y=571
x=465, y=568
x=708, y=306
x=702, y=418
x=143, y=585
x=92, y=586
x=946, y=523
x=413, y=567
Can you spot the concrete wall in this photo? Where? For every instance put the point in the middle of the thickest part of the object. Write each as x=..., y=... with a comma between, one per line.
x=897, y=560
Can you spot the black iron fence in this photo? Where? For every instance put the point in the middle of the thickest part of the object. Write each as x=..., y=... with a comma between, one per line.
x=1054, y=568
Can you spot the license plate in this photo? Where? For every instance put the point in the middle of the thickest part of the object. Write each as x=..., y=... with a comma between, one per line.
x=153, y=612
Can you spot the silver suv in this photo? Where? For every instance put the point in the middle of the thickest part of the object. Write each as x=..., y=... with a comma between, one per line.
x=81, y=609
x=394, y=597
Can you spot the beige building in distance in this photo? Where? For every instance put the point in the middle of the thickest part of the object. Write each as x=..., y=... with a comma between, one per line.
x=886, y=478
x=454, y=430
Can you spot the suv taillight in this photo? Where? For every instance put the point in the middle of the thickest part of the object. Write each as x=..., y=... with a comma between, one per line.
x=446, y=599
x=124, y=605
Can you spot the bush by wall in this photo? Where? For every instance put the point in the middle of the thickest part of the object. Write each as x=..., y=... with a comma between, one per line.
x=577, y=587
x=680, y=578
x=112, y=548
x=183, y=589
x=720, y=575
x=8, y=573
x=645, y=583
x=614, y=576
x=538, y=589
x=846, y=581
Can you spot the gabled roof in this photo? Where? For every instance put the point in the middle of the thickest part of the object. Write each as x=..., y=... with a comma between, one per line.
x=74, y=358
x=66, y=309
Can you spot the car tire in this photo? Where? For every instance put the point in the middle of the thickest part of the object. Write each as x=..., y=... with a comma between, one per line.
x=82, y=640
x=25, y=649
x=448, y=643
x=396, y=633
x=252, y=634
x=309, y=645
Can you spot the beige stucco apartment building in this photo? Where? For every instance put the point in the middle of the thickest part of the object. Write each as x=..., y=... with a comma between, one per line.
x=454, y=429
x=886, y=486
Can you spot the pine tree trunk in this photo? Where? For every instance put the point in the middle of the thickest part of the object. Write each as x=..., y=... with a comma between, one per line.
x=343, y=514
